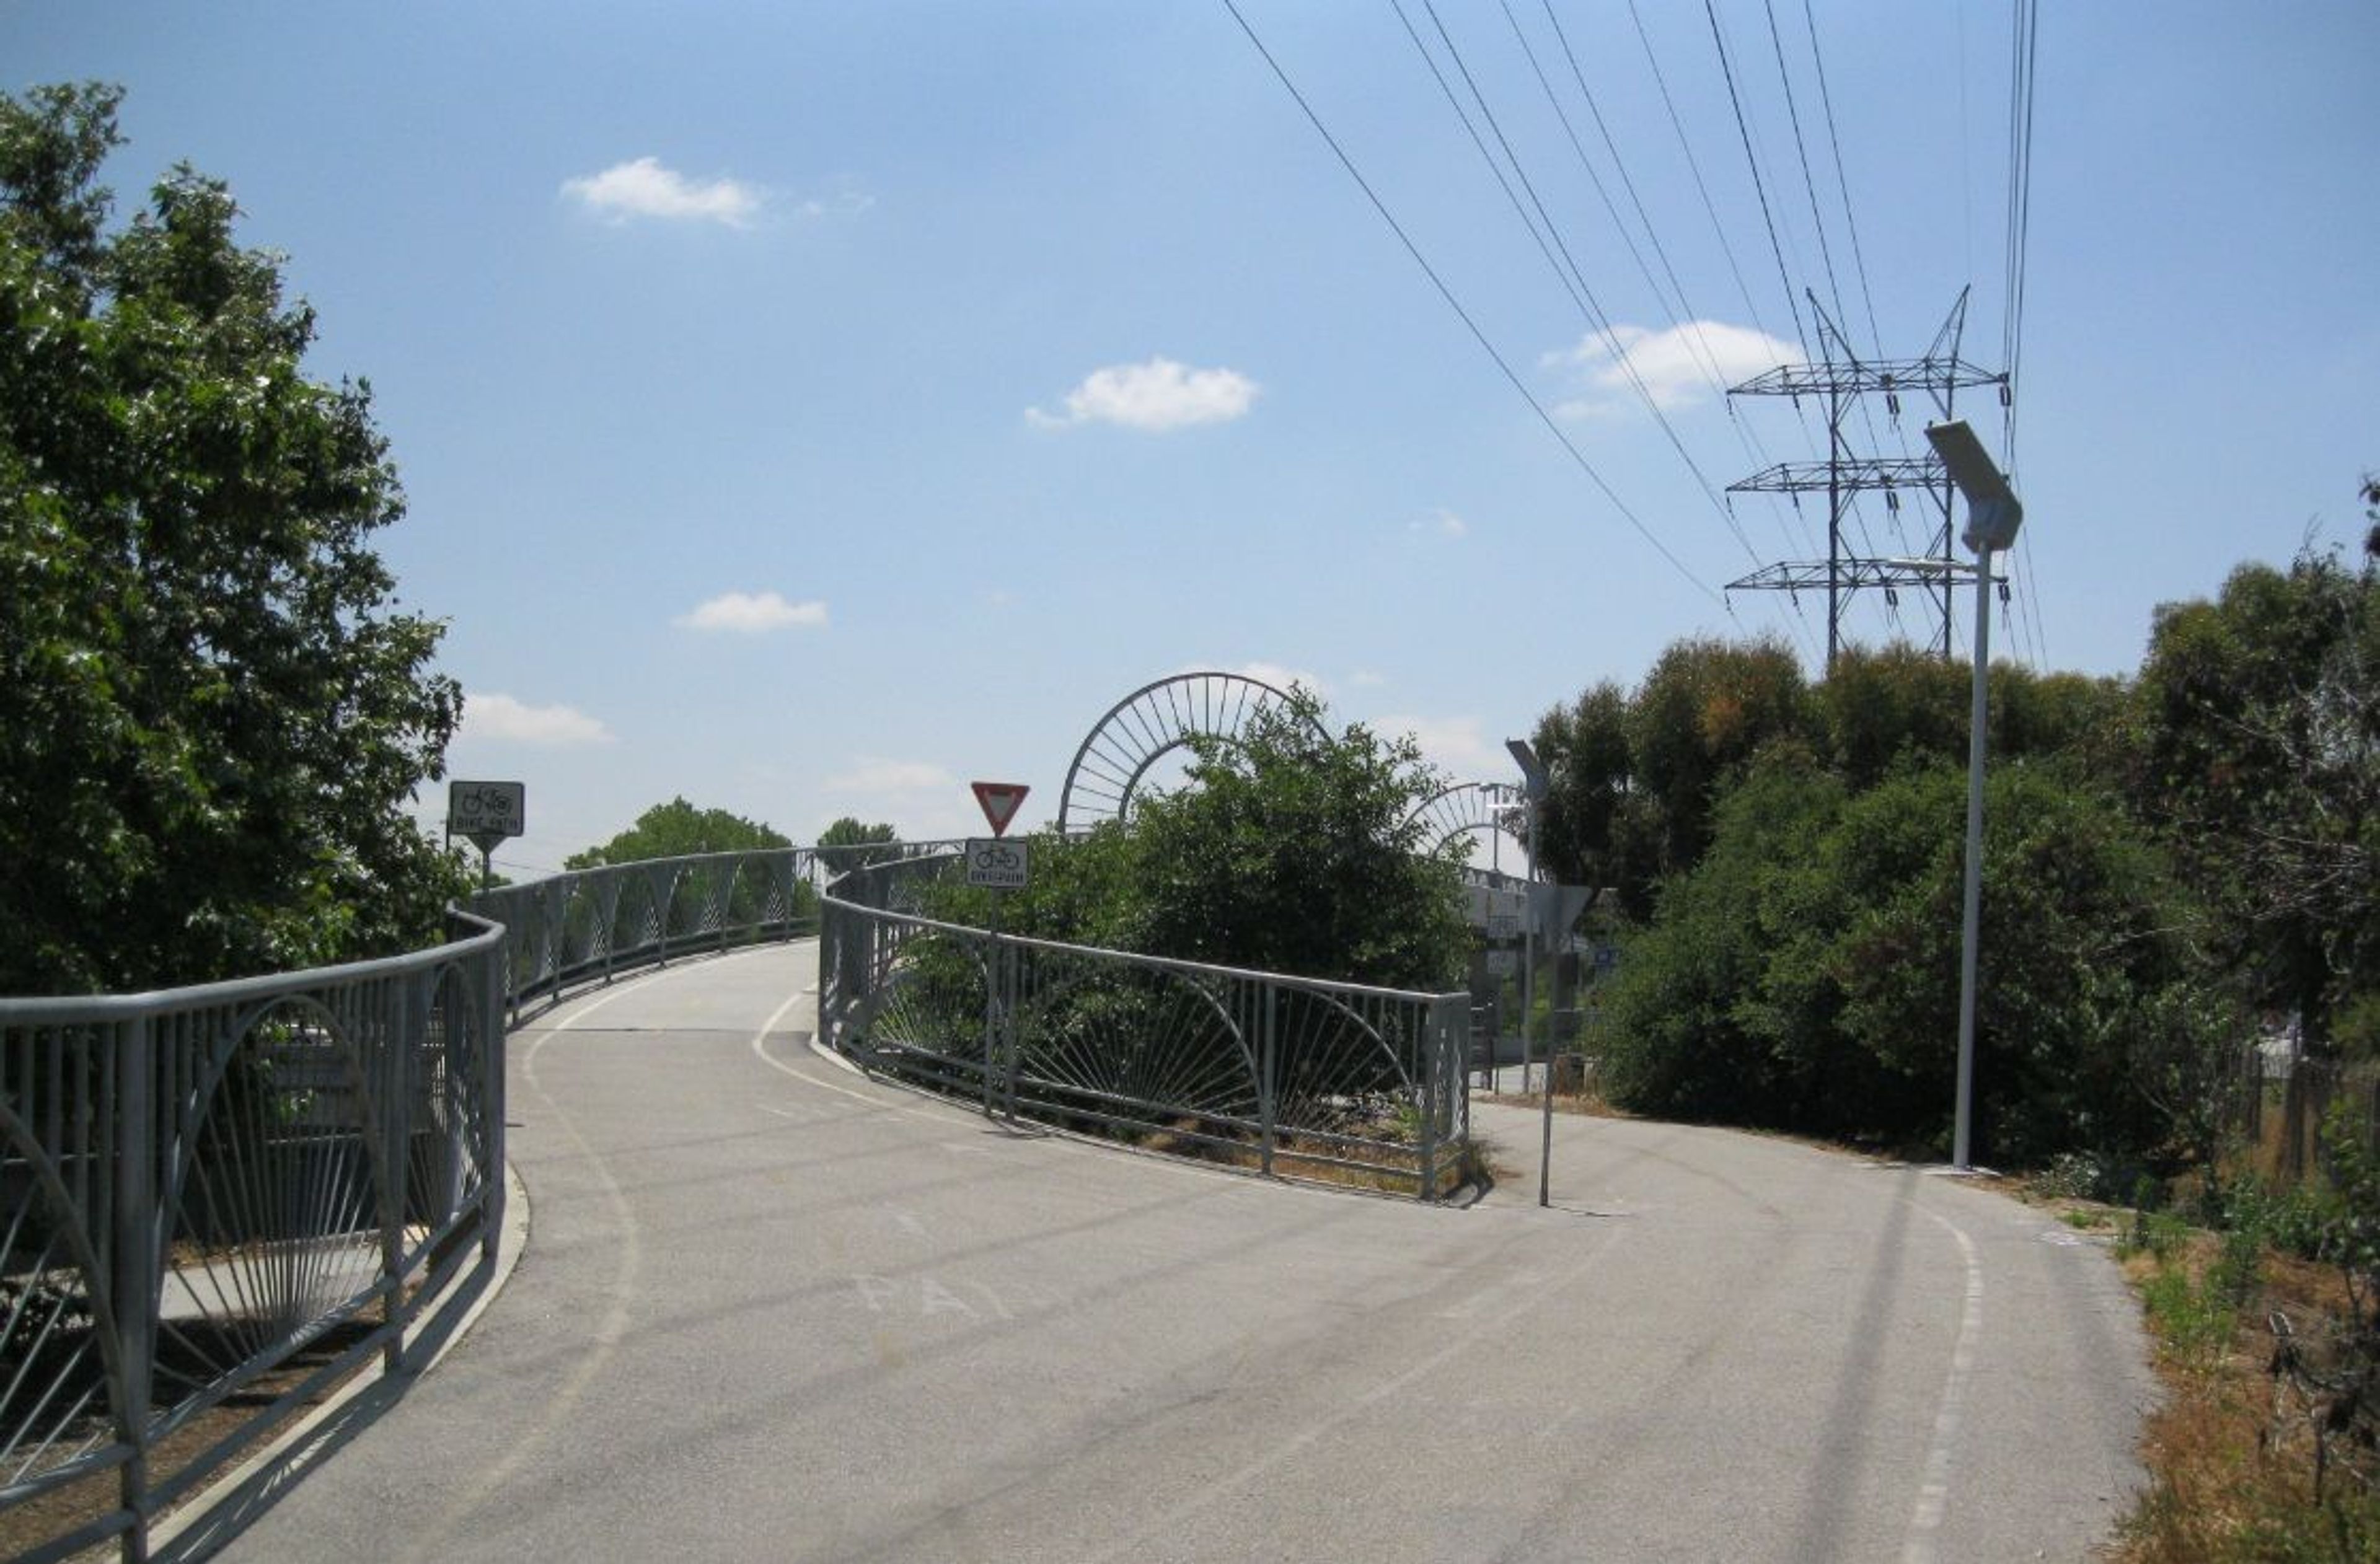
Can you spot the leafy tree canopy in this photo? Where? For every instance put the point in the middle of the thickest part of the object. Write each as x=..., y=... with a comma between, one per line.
x=210, y=709
x=1636, y=777
x=2260, y=718
x=1804, y=974
x=851, y=842
x=1285, y=850
x=678, y=830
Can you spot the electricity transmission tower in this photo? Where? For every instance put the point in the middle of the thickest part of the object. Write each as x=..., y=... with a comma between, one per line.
x=1841, y=377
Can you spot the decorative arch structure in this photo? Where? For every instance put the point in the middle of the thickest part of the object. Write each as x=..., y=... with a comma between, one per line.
x=1142, y=727
x=1468, y=808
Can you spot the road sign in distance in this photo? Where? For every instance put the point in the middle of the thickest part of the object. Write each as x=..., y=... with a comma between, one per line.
x=1000, y=801
x=993, y=862
x=490, y=810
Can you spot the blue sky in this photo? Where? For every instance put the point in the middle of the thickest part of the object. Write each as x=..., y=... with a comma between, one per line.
x=808, y=409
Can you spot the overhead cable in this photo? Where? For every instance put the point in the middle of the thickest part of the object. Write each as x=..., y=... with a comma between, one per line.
x=1577, y=456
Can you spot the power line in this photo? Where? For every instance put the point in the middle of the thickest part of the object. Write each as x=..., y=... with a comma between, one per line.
x=1801, y=152
x=1695, y=166
x=1842, y=183
x=1719, y=231
x=1446, y=293
x=1759, y=185
x=1683, y=319
x=2023, y=51
x=1682, y=316
x=1583, y=293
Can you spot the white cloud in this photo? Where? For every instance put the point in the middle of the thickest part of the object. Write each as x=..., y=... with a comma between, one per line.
x=752, y=614
x=501, y=717
x=843, y=197
x=1454, y=745
x=1440, y=523
x=645, y=188
x=875, y=776
x=1366, y=679
x=1676, y=365
x=1155, y=397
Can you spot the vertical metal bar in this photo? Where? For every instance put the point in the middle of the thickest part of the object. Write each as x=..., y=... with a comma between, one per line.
x=453, y=1087
x=1011, y=981
x=1429, y=1106
x=397, y=1045
x=992, y=1006
x=493, y=1045
x=135, y=1283
x=1268, y=1071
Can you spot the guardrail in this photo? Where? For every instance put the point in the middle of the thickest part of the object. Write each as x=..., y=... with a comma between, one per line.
x=217, y=1201
x=1259, y=1069
x=591, y=924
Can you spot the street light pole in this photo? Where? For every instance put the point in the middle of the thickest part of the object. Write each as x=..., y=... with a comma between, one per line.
x=1970, y=930
x=1537, y=781
x=1993, y=514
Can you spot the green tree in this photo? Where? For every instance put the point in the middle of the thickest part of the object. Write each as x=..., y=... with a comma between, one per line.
x=1878, y=706
x=678, y=830
x=1706, y=708
x=1804, y=976
x=851, y=843
x=1689, y=1027
x=1289, y=851
x=1283, y=850
x=2260, y=763
x=211, y=711
x=1597, y=827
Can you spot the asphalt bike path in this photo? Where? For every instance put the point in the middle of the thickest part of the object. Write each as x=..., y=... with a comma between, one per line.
x=770, y=1309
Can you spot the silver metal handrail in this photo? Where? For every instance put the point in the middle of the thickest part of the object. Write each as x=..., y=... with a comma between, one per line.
x=216, y=1201
x=1265, y=1069
x=239, y=1189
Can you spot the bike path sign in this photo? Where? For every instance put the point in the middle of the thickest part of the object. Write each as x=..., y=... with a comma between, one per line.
x=485, y=813
x=993, y=862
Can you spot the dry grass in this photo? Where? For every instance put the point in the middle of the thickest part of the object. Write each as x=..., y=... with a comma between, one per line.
x=2231, y=1452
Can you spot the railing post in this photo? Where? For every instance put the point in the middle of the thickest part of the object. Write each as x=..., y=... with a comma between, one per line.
x=991, y=1009
x=1011, y=980
x=1267, y=1075
x=397, y=1048
x=138, y=1243
x=492, y=1102
x=1429, y=1084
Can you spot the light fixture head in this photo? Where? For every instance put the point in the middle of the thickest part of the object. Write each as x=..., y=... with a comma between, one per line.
x=1993, y=513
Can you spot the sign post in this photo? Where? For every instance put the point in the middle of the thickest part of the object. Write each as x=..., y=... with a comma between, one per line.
x=1001, y=867
x=484, y=813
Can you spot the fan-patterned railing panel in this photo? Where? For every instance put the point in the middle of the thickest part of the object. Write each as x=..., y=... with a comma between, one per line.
x=217, y=1201
x=1273, y=1073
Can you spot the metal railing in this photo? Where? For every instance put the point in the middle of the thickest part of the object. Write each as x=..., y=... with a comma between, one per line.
x=217, y=1201
x=1276, y=1074
x=593, y=924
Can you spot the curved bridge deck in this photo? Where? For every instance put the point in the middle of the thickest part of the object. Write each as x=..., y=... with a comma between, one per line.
x=771, y=1310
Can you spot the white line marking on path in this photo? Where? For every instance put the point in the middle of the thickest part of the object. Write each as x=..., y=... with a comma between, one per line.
x=1934, y=1494
x=609, y=1331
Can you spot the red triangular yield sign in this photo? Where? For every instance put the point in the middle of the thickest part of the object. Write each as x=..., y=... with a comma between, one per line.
x=1000, y=801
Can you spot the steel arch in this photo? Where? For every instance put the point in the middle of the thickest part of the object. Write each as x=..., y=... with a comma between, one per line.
x=1144, y=726
x=1470, y=807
